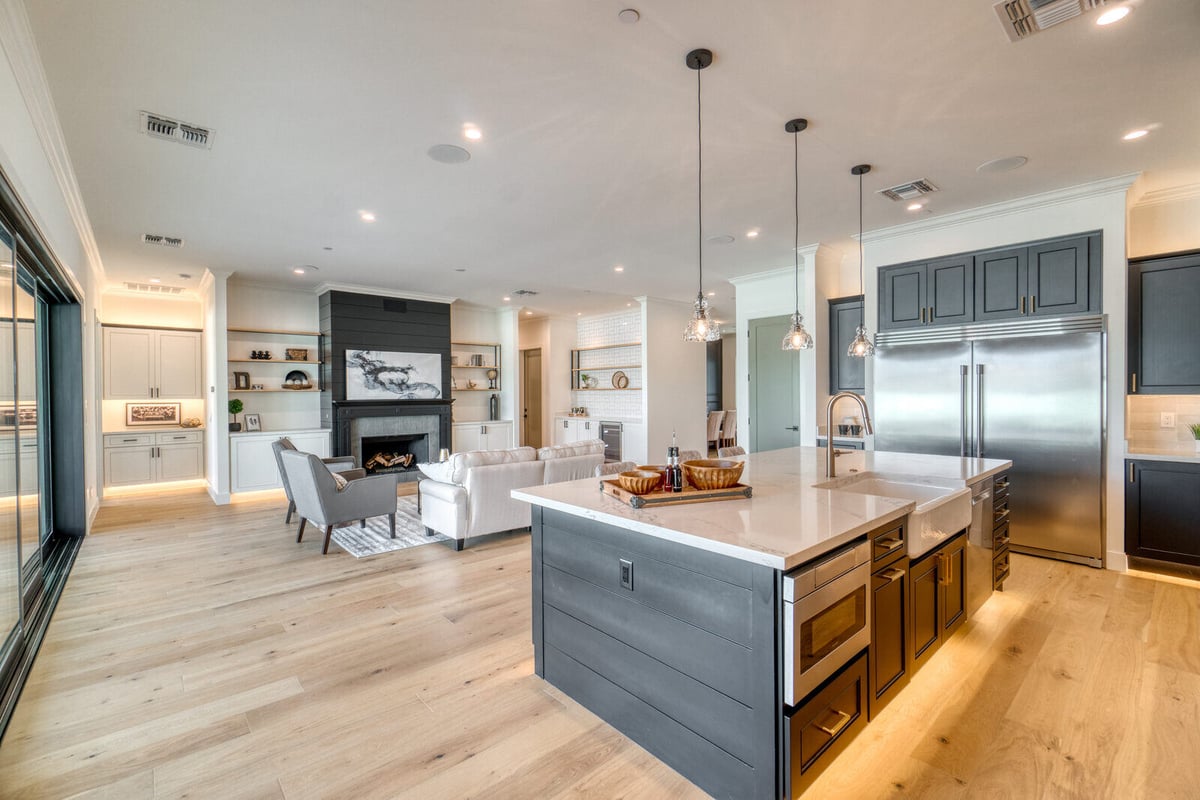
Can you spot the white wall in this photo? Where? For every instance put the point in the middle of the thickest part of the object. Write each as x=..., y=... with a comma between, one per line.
x=555, y=337
x=771, y=294
x=126, y=308
x=675, y=381
x=729, y=367
x=1165, y=222
x=1096, y=206
x=34, y=159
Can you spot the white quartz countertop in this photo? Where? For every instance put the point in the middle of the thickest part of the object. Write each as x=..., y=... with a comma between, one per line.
x=786, y=522
x=1185, y=454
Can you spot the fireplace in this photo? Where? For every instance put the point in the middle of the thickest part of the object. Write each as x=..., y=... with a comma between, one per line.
x=385, y=433
x=399, y=453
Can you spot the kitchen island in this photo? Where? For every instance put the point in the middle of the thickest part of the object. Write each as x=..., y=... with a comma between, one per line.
x=669, y=622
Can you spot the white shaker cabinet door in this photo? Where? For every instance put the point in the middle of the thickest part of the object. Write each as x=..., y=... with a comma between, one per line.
x=128, y=363
x=180, y=462
x=127, y=466
x=179, y=372
x=467, y=436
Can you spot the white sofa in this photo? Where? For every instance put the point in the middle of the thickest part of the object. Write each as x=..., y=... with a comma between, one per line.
x=468, y=495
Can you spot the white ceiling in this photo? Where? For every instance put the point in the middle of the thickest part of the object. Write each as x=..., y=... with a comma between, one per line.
x=323, y=108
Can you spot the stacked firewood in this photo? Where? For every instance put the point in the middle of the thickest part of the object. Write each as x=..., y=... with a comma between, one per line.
x=381, y=460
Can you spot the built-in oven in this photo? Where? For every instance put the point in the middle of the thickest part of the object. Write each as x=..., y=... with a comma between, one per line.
x=826, y=618
x=610, y=433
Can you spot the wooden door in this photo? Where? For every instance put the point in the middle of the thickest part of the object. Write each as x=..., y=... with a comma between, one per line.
x=1000, y=283
x=531, y=397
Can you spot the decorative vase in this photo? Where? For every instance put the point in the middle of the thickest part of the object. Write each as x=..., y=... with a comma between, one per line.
x=1198, y=447
x=235, y=427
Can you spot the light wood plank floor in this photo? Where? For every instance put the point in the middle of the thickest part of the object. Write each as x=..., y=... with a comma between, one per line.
x=200, y=652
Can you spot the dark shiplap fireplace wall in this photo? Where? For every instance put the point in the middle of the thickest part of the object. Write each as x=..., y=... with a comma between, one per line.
x=351, y=321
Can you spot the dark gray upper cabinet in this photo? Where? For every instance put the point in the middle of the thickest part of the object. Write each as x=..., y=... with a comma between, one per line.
x=902, y=297
x=1059, y=278
x=1164, y=325
x=1043, y=279
x=1001, y=278
x=846, y=373
x=934, y=293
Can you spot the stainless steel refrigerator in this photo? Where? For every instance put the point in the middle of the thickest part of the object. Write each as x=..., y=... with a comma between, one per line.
x=1028, y=391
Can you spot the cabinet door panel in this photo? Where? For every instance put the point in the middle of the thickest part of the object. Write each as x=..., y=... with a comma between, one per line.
x=889, y=634
x=467, y=437
x=252, y=464
x=951, y=292
x=1162, y=504
x=953, y=586
x=128, y=363
x=180, y=462
x=562, y=430
x=846, y=373
x=1000, y=282
x=1058, y=278
x=126, y=466
x=179, y=373
x=924, y=609
x=1164, y=326
x=901, y=297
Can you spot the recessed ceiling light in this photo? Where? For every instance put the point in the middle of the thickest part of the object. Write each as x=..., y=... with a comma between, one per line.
x=529, y=313
x=1113, y=15
x=366, y=216
x=1006, y=164
x=618, y=268
x=712, y=294
x=156, y=280
x=1139, y=133
x=507, y=298
x=471, y=132
x=914, y=206
x=752, y=234
x=579, y=313
x=304, y=269
x=628, y=15
x=720, y=238
x=629, y=305
x=298, y=270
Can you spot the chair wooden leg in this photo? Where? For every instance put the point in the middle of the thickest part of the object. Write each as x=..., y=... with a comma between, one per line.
x=291, y=509
x=392, y=524
x=328, y=533
x=300, y=533
x=363, y=523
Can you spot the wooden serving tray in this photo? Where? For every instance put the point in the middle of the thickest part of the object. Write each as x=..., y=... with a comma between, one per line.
x=690, y=494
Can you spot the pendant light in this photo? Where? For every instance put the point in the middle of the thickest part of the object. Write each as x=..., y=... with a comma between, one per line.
x=862, y=346
x=700, y=327
x=796, y=338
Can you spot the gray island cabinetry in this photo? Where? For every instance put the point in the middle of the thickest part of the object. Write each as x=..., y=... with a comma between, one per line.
x=682, y=627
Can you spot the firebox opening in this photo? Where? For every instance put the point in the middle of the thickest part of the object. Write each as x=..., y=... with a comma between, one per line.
x=394, y=453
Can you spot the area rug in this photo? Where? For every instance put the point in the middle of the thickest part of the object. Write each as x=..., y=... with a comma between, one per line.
x=375, y=539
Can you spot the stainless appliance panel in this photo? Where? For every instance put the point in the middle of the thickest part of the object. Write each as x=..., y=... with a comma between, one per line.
x=610, y=434
x=979, y=547
x=1042, y=407
x=918, y=398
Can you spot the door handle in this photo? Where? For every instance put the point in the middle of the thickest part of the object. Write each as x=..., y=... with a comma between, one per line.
x=922, y=315
x=1134, y=386
x=979, y=410
x=843, y=721
x=963, y=409
x=1022, y=304
x=792, y=428
x=1033, y=304
x=931, y=315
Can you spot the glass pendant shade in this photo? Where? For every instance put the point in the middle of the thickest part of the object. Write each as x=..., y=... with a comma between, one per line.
x=700, y=327
x=797, y=338
x=862, y=346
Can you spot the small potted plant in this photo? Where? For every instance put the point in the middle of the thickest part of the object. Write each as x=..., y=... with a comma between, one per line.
x=1195, y=429
x=235, y=408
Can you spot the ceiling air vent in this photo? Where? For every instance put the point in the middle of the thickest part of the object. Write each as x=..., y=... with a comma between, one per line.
x=907, y=191
x=152, y=288
x=524, y=292
x=164, y=241
x=160, y=127
x=1023, y=18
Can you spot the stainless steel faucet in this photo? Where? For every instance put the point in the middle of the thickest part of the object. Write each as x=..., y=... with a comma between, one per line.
x=830, y=452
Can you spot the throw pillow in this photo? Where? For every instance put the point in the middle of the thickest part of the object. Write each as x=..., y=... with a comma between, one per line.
x=339, y=481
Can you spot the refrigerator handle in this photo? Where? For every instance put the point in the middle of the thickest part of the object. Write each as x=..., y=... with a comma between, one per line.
x=979, y=410
x=963, y=410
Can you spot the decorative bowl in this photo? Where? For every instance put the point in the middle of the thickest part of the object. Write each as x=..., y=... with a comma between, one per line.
x=661, y=469
x=639, y=481
x=713, y=473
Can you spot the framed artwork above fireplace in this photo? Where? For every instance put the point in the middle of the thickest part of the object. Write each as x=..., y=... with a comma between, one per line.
x=383, y=375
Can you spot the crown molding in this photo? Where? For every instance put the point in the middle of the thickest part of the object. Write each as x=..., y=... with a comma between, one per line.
x=375, y=290
x=1116, y=185
x=20, y=47
x=1175, y=194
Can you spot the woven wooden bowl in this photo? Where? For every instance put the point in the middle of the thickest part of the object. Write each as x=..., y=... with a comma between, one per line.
x=661, y=469
x=639, y=481
x=713, y=473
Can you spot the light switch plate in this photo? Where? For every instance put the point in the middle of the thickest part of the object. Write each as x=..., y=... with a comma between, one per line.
x=1166, y=419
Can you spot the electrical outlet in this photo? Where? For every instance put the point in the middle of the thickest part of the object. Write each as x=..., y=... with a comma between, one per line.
x=626, y=574
x=1166, y=419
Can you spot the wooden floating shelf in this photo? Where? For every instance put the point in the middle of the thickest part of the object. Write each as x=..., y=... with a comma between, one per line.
x=475, y=390
x=263, y=391
x=268, y=361
x=273, y=332
x=611, y=389
x=601, y=369
x=470, y=366
x=608, y=346
x=475, y=344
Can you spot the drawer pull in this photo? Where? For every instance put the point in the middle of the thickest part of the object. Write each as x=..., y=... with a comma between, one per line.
x=178, y=437
x=1000, y=517
x=1001, y=487
x=837, y=727
x=1000, y=544
x=893, y=575
x=889, y=544
x=129, y=440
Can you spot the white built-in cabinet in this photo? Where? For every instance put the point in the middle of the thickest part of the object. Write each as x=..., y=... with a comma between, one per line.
x=495, y=435
x=136, y=457
x=145, y=363
x=568, y=430
x=252, y=462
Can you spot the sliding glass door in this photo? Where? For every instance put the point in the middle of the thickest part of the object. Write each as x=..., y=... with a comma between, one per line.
x=30, y=422
x=10, y=549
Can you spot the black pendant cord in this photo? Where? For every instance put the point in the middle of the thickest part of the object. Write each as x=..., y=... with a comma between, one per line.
x=796, y=206
x=699, y=191
x=862, y=311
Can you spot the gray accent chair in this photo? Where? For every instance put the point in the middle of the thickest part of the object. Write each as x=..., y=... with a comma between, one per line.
x=614, y=468
x=344, y=465
x=318, y=499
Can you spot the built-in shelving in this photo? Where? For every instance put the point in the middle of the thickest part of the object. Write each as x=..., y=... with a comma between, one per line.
x=488, y=352
x=591, y=361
